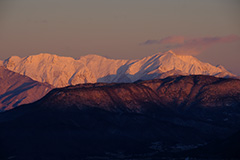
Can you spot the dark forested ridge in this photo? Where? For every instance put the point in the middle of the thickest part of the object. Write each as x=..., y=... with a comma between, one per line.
x=146, y=119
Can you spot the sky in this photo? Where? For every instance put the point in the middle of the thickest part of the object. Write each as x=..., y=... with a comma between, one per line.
x=124, y=29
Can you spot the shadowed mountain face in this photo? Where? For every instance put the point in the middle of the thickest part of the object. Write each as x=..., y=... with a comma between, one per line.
x=17, y=89
x=128, y=120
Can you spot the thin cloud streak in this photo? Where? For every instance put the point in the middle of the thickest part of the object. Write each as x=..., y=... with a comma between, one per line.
x=192, y=46
x=166, y=40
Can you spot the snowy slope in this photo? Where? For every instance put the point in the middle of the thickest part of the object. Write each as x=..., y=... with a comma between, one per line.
x=17, y=89
x=102, y=67
x=62, y=71
x=53, y=69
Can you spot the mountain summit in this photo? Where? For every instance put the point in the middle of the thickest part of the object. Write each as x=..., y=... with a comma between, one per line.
x=62, y=71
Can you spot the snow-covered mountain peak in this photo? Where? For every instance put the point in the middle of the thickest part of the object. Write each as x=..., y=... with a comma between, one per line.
x=170, y=52
x=221, y=67
x=44, y=55
x=47, y=57
x=56, y=70
x=62, y=71
x=167, y=53
x=188, y=59
x=11, y=61
x=91, y=56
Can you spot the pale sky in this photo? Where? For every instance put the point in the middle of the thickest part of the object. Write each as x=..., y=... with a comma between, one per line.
x=210, y=29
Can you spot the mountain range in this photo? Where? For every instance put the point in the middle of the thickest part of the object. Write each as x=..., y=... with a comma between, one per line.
x=63, y=71
x=159, y=118
x=162, y=106
x=57, y=71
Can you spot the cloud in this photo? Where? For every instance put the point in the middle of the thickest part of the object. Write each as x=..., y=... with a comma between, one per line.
x=166, y=40
x=192, y=46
